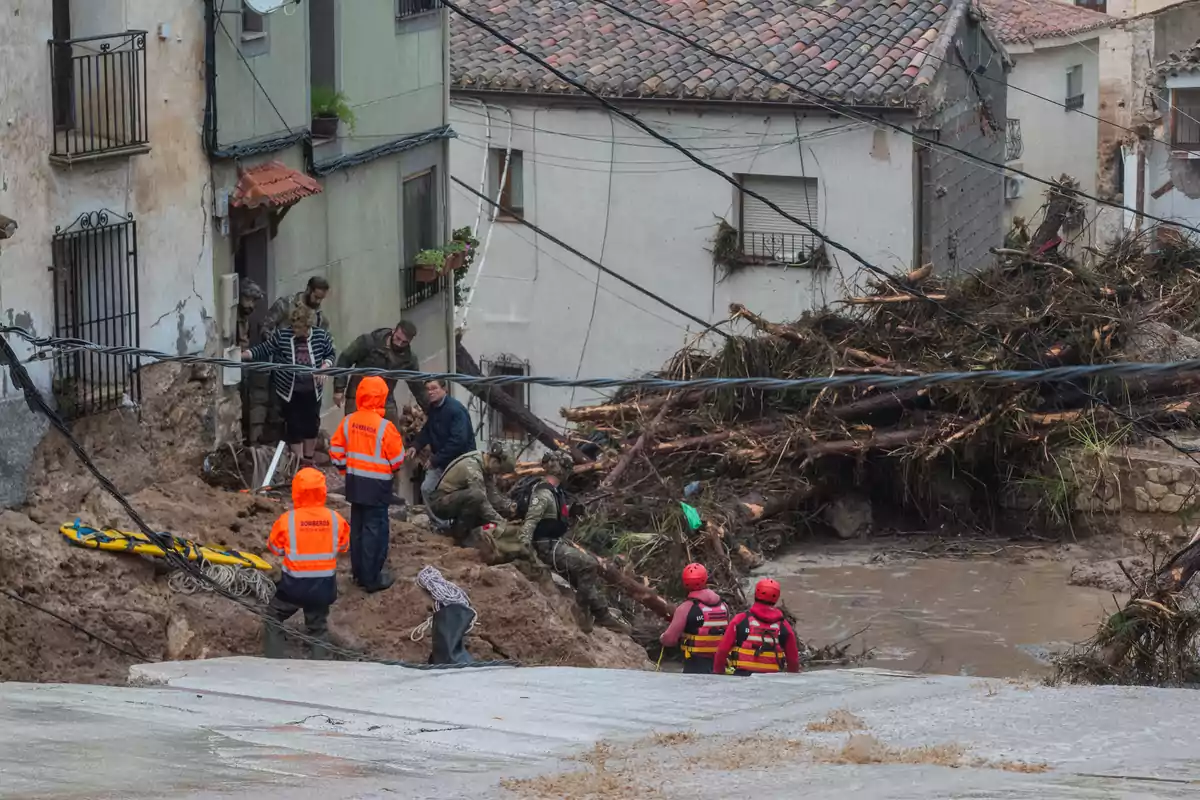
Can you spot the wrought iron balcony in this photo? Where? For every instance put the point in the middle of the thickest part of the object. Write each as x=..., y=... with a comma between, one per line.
x=410, y=8
x=1014, y=148
x=777, y=248
x=99, y=97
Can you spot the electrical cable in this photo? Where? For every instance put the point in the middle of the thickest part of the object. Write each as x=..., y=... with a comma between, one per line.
x=820, y=102
x=33, y=398
x=253, y=74
x=637, y=123
x=1076, y=372
x=133, y=653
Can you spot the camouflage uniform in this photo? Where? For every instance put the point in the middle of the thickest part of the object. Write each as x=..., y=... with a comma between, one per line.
x=280, y=313
x=467, y=494
x=374, y=350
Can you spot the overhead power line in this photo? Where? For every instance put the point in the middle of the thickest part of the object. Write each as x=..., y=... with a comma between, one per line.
x=1119, y=369
x=849, y=111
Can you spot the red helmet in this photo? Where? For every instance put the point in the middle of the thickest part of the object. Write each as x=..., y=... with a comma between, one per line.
x=767, y=591
x=695, y=577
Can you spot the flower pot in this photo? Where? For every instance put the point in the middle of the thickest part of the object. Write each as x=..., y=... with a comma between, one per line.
x=324, y=127
x=425, y=274
x=455, y=261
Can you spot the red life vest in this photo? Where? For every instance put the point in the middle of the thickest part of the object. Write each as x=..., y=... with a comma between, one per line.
x=704, y=628
x=759, y=649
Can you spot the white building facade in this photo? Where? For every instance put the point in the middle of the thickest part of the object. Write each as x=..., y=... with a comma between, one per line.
x=102, y=167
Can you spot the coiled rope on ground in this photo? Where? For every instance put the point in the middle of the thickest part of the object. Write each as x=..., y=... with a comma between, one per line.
x=239, y=581
x=444, y=593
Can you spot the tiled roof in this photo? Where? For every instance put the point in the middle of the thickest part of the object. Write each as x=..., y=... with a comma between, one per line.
x=1184, y=62
x=1026, y=21
x=274, y=185
x=865, y=52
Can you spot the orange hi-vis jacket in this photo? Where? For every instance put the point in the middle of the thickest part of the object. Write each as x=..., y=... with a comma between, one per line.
x=367, y=448
x=309, y=537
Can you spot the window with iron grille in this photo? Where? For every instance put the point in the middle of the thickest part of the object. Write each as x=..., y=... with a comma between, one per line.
x=512, y=193
x=1185, y=119
x=95, y=266
x=420, y=233
x=1100, y=6
x=410, y=8
x=1074, y=88
x=1014, y=145
x=499, y=428
x=767, y=236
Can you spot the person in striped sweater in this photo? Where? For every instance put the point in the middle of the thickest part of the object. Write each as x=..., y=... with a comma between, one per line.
x=302, y=343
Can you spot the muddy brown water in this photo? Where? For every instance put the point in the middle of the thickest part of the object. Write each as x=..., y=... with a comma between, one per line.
x=991, y=619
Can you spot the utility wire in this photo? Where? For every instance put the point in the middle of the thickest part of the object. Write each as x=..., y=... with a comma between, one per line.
x=1116, y=369
x=637, y=123
x=253, y=74
x=134, y=653
x=33, y=398
x=838, y=108
x=708, y=326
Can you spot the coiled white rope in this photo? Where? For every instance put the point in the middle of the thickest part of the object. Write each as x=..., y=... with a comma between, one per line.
x=444, y=593
x=241, y=581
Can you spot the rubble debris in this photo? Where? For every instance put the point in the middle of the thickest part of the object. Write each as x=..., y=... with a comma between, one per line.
x=1154, y=639
x=770, y=462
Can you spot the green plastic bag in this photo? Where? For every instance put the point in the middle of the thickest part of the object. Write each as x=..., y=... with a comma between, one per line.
x=692, y=515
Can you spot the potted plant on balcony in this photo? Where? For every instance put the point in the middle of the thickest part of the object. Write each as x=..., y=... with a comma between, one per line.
x=328, y=108
x=463, y=239
x=429, y=265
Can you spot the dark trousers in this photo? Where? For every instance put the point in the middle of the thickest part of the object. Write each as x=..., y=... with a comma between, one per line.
x=316, y=624
x=369, y=532
x=698, y=665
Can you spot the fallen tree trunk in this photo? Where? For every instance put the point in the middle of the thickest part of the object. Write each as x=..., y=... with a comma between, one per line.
x=885, y=299
x=885, y=401
x=637, y=588
x=774, y=506
x=628, y=456
x=739, y=311
x=887, y=440
x=510, y=409
x=710, y=439
x=632, y=409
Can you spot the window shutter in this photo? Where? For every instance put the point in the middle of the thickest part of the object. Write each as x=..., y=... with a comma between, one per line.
x=765, y=233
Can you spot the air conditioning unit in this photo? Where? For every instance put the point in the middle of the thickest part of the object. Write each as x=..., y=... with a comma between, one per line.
x=1014, y=187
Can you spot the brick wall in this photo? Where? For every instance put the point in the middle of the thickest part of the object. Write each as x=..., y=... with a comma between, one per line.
x=963, y=201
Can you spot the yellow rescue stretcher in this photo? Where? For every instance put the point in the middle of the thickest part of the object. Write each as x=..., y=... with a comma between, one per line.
x=125, y=542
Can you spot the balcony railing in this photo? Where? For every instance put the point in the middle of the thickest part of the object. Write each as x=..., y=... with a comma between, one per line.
x=1014, y=148
x=99, y=96
x=778, y=248
x=410, y=8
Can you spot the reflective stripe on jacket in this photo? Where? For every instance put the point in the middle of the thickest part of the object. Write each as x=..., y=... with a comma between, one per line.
x=367, y=449
x=705, y=626
x=758, y=646
x=312, y=542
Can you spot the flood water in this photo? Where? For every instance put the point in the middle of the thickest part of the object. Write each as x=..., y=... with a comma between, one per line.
x=957, y=617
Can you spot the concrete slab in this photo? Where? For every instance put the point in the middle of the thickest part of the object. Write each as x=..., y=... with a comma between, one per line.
x=251, y=728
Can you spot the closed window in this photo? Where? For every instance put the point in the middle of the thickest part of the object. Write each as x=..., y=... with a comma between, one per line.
x=410, y=8
x=1185, y=119
x=499, y=428
x=420, y=233
x=253, y=33
x=1100, y=6
x=766, y=235
x=1074, y=88
x=506, y=179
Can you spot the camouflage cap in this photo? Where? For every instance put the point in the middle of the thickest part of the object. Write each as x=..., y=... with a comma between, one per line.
x=558, y=464
x=502, y=460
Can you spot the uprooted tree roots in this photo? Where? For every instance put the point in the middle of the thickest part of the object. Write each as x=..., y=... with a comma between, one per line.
x=1154, y=640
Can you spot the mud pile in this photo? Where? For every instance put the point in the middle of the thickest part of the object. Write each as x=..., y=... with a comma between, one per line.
x=126, y=599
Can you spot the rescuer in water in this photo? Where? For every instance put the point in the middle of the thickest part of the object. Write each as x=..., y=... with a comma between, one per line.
x=699, y=622
x=760, y=639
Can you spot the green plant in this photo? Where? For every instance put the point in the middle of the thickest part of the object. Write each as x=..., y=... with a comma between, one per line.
x=329, y=103
x=726, y=249
x=435, y=258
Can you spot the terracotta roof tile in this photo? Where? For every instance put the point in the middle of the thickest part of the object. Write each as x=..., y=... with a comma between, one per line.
x=1183, y=62
x=1025, y=21
x=826, y=49
x=273, y=185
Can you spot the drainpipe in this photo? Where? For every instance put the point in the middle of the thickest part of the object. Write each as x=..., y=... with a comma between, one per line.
x=1139, y=220
x=447, y=225
x=210, y=78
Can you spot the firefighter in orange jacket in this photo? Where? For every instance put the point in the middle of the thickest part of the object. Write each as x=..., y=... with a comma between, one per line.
x=760, y=639
x=368, y=450
x=309, y=537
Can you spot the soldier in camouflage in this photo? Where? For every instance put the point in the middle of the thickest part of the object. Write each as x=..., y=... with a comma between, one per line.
x=280, y=312
x=385, y=348
x=467, y=496
x=544, y=526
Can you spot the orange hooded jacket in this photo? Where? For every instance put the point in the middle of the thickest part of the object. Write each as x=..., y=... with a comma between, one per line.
x=367, y=448
x=310, y=536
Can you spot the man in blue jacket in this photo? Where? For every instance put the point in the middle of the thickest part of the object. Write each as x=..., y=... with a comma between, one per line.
x=447, y=433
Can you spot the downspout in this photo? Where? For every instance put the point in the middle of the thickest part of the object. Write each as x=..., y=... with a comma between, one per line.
x=210, y=78
x=451, y=334
x=1141, y=187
